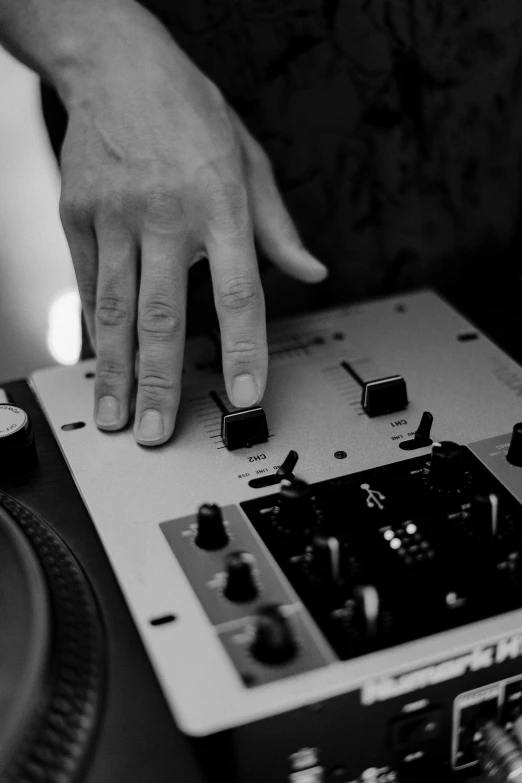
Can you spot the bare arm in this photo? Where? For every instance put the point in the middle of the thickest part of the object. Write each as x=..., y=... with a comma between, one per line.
x=157, y=172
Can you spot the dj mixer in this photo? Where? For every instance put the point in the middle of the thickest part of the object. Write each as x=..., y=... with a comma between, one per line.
x=326, y=588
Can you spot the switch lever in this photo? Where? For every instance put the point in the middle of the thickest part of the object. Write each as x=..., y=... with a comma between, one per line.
x=285, y=470
x=422, y=434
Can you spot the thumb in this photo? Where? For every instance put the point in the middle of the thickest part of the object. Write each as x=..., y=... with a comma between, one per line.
x=273, y=225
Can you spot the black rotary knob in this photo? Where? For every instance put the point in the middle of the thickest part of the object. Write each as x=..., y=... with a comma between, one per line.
x=514, y=455
x=296, y=510
x=241, y=584
x=17, y=447
x=446, y=469
x=274, y=641
x=211, y=529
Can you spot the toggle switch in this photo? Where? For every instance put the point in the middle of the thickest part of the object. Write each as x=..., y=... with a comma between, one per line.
x=421, y=437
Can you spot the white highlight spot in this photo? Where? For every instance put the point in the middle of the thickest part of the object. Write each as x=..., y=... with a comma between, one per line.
x=64, y=332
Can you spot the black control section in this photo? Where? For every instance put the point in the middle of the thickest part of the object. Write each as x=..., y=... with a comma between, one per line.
x=241, y=585
x=393, y=554
x=244, y=428
x=211, y=530
x=17, y=446
x=273, y=639
x=514, y=455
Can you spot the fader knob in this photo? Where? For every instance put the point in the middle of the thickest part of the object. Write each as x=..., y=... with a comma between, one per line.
x=446, y=465
x=241, y=584
x=211, y=530
x=17, y=448
x=514, y=455
x=273, y=639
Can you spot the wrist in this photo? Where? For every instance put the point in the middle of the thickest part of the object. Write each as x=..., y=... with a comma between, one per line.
x=102, y=34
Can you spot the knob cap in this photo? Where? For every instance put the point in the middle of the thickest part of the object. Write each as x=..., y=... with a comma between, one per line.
x=514, y=455
x=241, y=584
x=446, y=468
x=326, y=559
x=211, y=530
x=484, y=516
x=273, y=640
x=296, y=511
x=17, y=447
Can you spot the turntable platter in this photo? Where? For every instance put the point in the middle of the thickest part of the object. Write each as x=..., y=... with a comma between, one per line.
x=24, y=635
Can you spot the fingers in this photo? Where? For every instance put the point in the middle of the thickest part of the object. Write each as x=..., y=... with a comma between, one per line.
x=238, y=296
x=161, y=335
x=274, y=227
x=84, y=253
x=115, y=326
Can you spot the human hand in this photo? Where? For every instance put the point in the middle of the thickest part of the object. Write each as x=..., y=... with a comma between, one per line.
x=157, y=173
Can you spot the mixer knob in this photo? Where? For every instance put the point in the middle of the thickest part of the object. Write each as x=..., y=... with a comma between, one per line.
x=326, y=558
x=514, y=455
x=484, y=515
x=369, y=605
x=244, y=428
x=446, y=469
x=241, y=584
x=17, y=448
x=296, y=511
x=211, y=529
x=273, y=642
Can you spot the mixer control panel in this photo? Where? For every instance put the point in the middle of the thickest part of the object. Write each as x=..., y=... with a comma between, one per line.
x=363, y=520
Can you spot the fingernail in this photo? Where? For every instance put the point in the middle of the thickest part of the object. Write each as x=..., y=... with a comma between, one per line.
x=108, y=411
x=244, y=391
x=151, y=426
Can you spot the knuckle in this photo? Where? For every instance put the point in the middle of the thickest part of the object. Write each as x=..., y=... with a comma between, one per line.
x=227, y=194
x=110, y=371
x=112, y=311
x=241, y=349
x=239, y=294
x=74, y=209
x=159, y=318
x=163, y=205
x=154, y=388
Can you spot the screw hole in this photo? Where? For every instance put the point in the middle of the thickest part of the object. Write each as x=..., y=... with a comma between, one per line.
x=466, y=337
x=163, y=620
x=75, y=425
x=90, y=374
